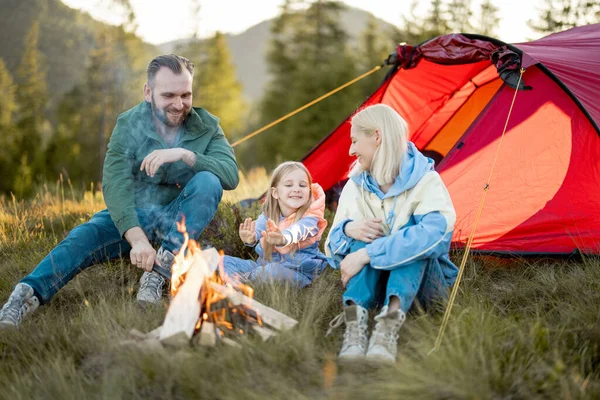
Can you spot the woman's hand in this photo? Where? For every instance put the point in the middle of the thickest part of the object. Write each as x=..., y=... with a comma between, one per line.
x=248, y=231
x=366, y=230
x=353, y=263
x=273, y=235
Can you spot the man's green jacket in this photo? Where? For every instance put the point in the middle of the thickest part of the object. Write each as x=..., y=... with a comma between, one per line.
x=126, y=188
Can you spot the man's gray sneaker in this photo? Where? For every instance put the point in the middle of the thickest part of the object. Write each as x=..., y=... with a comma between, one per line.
x=355, y=336
x=21, y=302
x=384, y=338
x=151, y=284
x=151, y=289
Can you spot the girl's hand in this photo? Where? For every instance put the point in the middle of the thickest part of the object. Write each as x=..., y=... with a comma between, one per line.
x=273, y=235
x=271, y=226
x=353, y=263
x=366, y=230
x=248, y=231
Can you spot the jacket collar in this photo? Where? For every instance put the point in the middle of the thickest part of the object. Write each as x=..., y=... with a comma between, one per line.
x=193, y=125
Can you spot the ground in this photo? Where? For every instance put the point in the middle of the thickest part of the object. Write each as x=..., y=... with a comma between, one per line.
x=520, y=329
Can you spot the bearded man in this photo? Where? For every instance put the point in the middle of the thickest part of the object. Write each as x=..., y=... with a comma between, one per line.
x=166, y=161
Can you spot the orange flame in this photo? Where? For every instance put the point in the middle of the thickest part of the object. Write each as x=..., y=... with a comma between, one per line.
x=182, y=264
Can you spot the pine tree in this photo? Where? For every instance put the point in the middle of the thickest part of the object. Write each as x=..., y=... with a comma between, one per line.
x=413, y=27
x=558, y=15
x=33, y=91
x=7, y=88
x=112, y=84
x=323, y=62
x=374, y=49
x=8, y=133
x=416, y=29
x=277, y=101
x=459, y=16
x=103, y=81
x=216, y=87
x=309, y=56
x=488, y=18
x=436, y=22
x=32, y=96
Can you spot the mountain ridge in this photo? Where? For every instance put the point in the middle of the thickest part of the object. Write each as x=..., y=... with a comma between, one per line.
x=252, y=71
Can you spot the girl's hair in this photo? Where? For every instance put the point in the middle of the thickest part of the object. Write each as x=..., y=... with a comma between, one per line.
x=387, y=159
x=271, y=207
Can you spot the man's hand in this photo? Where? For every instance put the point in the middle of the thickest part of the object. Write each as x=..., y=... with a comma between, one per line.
x=154, y=160
x=366, y=230
x=273, y=235
x=248, y=231
x=353, y=263
x=142, y=253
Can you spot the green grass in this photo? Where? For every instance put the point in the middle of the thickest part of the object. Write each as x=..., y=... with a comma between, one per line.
x=520, y=329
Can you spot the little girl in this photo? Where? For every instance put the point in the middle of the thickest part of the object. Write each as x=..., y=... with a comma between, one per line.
x=288, y=249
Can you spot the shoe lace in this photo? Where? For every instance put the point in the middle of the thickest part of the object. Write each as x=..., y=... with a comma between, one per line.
x=13, y=310
x=335, y=323
x=153, y=282
x=386, y=332
x=355, y=333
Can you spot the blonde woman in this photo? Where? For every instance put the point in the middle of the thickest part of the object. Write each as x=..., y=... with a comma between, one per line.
x=287, y=233
x=391, y=234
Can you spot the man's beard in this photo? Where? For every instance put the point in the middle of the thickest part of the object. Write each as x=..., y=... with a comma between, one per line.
x=162, y=115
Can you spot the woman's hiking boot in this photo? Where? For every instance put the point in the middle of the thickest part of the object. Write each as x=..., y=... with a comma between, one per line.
x=21, y=302
x=384, y=338
x=355, y=337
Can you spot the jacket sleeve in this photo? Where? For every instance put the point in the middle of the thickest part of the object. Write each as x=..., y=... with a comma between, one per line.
x=301, y=230
x=428, y=237
x=220, y=160
x=338, y=244
x=117, y=180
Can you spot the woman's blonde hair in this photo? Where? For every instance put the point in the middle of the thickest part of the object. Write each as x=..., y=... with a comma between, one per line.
x=271, y=207
x=387, y=159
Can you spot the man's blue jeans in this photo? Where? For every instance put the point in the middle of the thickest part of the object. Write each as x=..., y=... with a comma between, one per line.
x=99, y=240
x=422, y=279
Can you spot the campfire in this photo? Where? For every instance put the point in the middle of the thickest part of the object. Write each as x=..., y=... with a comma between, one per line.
x=206, y=311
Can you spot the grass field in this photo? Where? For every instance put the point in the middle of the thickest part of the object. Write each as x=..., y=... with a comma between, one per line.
x=521, y=329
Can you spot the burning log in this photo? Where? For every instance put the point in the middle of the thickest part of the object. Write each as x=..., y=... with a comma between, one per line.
x=268, y=316
x=185, y=308
x=201, y=304
x=207, y=335
x=264, y=333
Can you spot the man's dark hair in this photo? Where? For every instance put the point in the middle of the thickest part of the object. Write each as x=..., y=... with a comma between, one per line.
x=171, y=61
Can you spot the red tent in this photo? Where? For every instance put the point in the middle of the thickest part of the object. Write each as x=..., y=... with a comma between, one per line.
x=455, y=93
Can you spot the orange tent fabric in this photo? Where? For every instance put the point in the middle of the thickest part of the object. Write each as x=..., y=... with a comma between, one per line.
x=542, y=195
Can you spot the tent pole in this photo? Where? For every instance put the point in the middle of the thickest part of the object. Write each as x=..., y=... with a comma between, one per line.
x=296, y=111
x=467, y=249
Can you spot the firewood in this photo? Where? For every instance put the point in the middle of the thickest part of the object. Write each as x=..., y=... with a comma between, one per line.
x=230, y=343
x=178, y=340
x=211, y=256
x=206, y=336
x=137, y=335
x=184, y=309
x=154, y=334
x=264, y=333
x=151, y=346
x=271, y=317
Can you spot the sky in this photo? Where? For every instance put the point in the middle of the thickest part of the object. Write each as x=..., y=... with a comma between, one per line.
x=160, y=21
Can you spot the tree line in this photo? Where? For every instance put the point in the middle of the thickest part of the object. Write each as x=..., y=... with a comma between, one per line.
x=309, y=54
